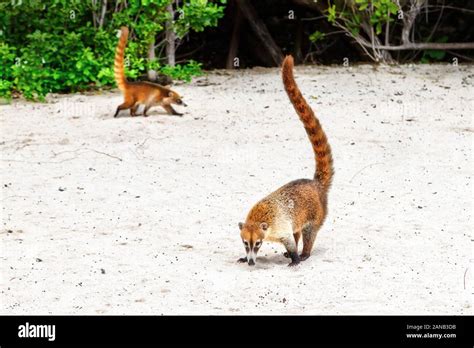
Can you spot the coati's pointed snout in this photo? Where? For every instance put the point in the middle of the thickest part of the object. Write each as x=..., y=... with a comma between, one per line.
x=252, y=237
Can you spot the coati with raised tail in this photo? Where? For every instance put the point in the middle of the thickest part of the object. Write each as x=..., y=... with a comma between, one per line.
x=296, y=210
x=141, y=93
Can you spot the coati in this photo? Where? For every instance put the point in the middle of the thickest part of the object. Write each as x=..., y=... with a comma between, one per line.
x=296, y=210
x=136, y=93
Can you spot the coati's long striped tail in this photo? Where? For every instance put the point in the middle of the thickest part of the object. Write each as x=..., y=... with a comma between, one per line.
x=316, y=135
x=119, y=68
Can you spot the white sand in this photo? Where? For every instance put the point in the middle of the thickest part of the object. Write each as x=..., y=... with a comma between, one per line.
x=139, y=215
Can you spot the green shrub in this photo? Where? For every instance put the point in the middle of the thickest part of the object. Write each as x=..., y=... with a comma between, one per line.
x=7, y=61
x=59, y=48
x=183, y=72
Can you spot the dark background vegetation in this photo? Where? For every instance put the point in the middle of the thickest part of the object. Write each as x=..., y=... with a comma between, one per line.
x=69, y=45
x=448, y=20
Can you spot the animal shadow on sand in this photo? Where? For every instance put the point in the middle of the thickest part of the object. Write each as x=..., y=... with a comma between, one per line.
x=150, y=113
x=278, y=260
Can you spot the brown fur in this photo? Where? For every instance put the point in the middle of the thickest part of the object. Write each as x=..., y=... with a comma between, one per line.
x=296, y=210
x=141, y=93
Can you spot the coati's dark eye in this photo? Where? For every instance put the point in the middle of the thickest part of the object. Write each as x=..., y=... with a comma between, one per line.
x=246, y=243
x=257, y=244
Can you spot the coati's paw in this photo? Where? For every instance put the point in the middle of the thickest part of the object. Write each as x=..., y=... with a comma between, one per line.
x=294, y=263
x=242, y=260
x=295, y=259
x=303, y=257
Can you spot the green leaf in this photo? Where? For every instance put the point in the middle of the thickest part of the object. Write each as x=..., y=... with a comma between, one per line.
x=378, y=28
x=436, y=54
x=332, y=14
x=393, y=8
x=316, y=36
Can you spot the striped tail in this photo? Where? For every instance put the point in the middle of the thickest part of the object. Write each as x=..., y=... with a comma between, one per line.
x=316, y=135
x=119, y=69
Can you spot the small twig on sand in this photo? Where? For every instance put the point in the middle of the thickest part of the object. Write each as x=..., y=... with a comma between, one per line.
x=367, y=166
x=55, y=154
x=465, y=272
x=106, y=154
x=14, y=196
x=152, y=138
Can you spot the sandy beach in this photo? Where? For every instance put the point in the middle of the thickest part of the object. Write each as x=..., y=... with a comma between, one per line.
x=140, y=215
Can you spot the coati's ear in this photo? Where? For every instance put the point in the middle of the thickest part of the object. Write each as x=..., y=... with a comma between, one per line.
x=264, y=226
x=241, y=225
x=170, y=94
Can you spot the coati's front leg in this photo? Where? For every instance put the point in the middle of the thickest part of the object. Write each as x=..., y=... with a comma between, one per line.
x=133, y=110
x=292, y=250
x=147, y=107
x=124, y=106
x=297, y=239
x=309, y=236
x=169, y=109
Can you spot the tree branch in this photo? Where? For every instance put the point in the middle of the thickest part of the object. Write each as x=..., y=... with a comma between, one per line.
x=409, y=19
x=425, y=46
x=151, y=56
x=260, y=30
x=234, y=41
x=94, y=14
x=170, y=36
x=102, y=15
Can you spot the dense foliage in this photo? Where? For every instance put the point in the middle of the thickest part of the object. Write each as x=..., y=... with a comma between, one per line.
x=69, y=45
x=382, y=27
